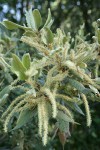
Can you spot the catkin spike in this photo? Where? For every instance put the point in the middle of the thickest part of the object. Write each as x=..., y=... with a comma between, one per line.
x=55, y=89
x=11, y=114
x=52, y=100
x=65, y=51
x=87, y=109
x=35, y=44
x=12, y=105
x=58, y=62
x=45, y=123
x=40, y=118
x=49, y=76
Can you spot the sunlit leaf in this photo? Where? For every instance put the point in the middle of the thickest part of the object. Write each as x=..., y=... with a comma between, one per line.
x=26, y=60
x=37, y=18
x=47, y=36
x=49, y=20
x=18, y=68
x=11, y=26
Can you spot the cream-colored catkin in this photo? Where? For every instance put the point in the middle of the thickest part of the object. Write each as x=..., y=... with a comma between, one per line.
x=87, y=109
x=45, y=133
x=35, y=44
x=55, y=89
x=72, y=55
x=49, y=76
x=45, y=123
x=65, y=51
x=40, y=118
x=53, y=102
x=12, y=105
x=88, y=79
x=11, y=114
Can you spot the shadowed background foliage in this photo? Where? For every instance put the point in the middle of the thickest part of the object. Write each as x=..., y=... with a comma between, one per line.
x=69, y=15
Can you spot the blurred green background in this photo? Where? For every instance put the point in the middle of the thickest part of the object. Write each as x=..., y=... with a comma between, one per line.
x=68, y=15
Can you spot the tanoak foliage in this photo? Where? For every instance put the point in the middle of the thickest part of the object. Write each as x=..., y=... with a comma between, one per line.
x=57, y=82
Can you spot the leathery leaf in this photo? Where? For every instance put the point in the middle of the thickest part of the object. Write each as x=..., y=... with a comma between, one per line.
x=11, y=26
x=47, y=36
x=18, y=68
x=26, y=60
x=37, y=18
x=24, y=117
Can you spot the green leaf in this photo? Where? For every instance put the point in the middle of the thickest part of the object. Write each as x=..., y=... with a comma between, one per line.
x=49, y=20
x=26, y=60
x=98, y=35
x=6, y=90
x=24, y=117
x=37, y=18
x=75, y=107
x=47, y=36
x=3, y=100
x=79, y=86
x=76, y=84
x=63, y=122
x=78, y=109
x=30, y=19
x=11, y=26
x=63, y=126
x=18, y=68
x=33, y=19
x=4, y=94
x=29, y=33
x=76, y=74
x=64, y=117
